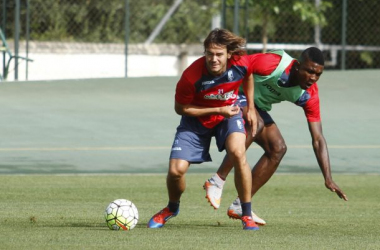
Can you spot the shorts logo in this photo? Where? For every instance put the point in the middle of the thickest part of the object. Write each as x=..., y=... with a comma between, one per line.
x=239, y=124
x=176, y=148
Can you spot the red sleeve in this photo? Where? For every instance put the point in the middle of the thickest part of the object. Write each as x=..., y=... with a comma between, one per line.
x=312, y=108
x=263, y=64
x=185, y=91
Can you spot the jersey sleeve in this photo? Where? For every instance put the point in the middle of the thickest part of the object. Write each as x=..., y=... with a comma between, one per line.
x=185, y=91
x=312, y=107
x=263, y=64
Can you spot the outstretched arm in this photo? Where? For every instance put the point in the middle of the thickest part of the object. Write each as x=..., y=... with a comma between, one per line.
x=322, y=155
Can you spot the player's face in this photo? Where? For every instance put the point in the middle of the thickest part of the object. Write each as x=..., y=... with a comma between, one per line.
x=309, y=73
x=216, y=59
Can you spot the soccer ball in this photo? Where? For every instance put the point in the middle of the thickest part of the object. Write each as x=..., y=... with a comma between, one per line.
x=121, y=214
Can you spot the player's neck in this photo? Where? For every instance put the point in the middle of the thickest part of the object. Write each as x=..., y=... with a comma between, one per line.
x=293, y=80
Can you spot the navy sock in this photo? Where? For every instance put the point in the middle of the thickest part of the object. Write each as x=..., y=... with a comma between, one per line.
x=173, y=206
x=246, y=208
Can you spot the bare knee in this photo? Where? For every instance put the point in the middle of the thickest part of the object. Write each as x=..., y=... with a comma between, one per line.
x=237, y=153
x=177, y=169
x=277, y=151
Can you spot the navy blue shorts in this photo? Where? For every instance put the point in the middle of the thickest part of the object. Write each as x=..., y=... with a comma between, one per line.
x=242, y=102
x=192, y=140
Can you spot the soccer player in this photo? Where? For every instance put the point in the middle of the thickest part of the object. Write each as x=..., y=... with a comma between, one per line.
x=205, y=97
x=279, y=77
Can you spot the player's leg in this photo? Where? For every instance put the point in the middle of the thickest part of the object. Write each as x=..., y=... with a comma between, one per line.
x=188, y=147
x=175, y=180
x=234, y=211
x=235, y=147
x=271, y=140
x=214, y=185
x=176, y=184
x=231, y=135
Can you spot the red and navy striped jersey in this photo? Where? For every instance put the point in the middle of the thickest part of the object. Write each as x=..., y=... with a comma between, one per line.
x=198, y=87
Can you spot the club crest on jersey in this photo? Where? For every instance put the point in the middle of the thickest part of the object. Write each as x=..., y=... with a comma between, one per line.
x=230, y=75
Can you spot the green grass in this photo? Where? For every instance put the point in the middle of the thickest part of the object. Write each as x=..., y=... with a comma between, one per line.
x=66, y=212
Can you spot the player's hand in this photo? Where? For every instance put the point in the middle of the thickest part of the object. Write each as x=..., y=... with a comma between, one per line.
x=334, y=188
x=229, y=111
x=251, y=119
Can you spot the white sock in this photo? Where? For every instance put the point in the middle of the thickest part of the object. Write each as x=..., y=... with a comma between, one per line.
x=218, y=180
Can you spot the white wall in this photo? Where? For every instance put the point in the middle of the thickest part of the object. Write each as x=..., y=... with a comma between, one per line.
x=47, y=66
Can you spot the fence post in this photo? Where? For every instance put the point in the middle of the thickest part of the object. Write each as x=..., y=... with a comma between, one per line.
x=317, y=28
x=17, y=36
x=126, y=38
x=236, y=17
x=182, y=60
x=344, y=23
x=224, y=14
x=3, y=21
x=27, y=38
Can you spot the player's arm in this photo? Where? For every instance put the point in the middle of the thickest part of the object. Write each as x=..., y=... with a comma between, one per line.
x=193, y=110
x=248, y=87
x=262, y=64
x=185, y=92
x=322, y=155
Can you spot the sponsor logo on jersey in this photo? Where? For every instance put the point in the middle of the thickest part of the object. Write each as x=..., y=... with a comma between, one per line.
x=271, y=89
x=221, y=96
x=208, y=82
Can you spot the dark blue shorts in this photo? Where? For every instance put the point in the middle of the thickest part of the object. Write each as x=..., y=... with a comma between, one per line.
x=242, y=102
x=192, y=140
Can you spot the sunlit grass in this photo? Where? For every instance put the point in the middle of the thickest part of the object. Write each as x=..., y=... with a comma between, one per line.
x=66, y=212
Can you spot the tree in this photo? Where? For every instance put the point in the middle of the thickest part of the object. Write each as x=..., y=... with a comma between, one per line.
x=267, y=15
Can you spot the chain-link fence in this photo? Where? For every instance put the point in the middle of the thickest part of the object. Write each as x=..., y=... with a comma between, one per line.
x=118, y=37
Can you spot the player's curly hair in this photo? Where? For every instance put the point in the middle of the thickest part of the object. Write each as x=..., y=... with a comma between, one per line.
x=235, y=44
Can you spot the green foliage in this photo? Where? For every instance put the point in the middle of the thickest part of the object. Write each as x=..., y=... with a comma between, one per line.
x=189, y=16
x=80, y=21
x=270, y=21
x=366, y=57
x=311, y=13
x=275, y=15
x=95, y=21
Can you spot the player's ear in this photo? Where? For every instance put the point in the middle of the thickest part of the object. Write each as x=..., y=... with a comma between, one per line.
x=297, y=65
x=229, y=55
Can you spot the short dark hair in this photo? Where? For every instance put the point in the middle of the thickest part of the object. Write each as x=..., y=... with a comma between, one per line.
x=314, y=54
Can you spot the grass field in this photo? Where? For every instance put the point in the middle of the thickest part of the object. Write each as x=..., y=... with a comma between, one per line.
x=66, y=212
